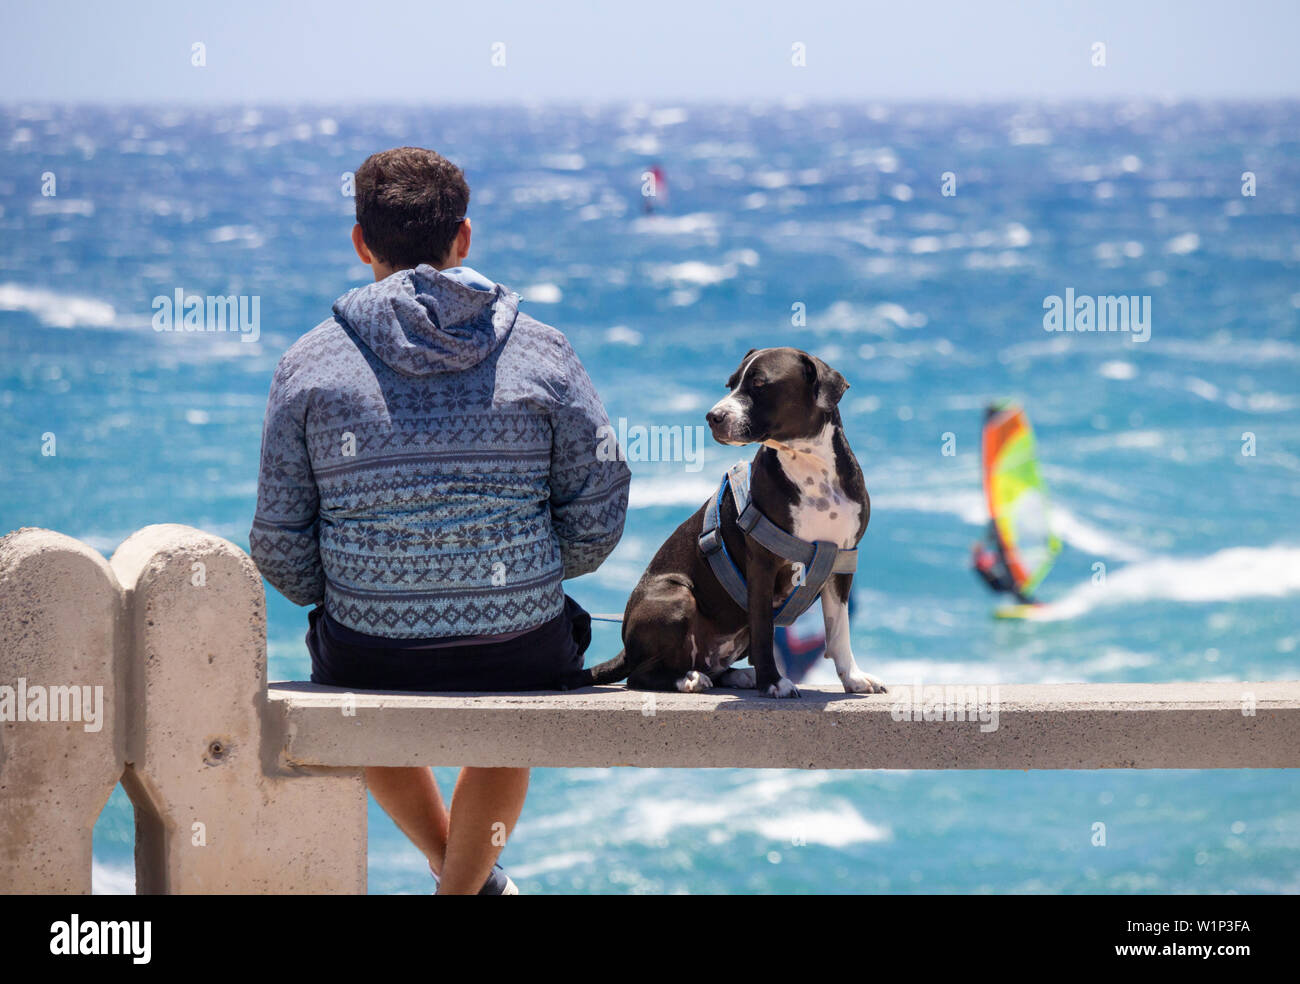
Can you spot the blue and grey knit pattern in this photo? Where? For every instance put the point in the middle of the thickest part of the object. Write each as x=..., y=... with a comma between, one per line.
x=429, y=463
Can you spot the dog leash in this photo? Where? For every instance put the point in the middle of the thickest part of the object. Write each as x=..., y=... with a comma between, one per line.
x=820, y=558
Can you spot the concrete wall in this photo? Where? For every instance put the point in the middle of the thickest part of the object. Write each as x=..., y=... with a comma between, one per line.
x=242, y=788
x=60, y=612
x=174, y=629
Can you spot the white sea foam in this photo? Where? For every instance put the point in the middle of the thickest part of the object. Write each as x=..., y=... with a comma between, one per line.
x=669, y=117
x=111, y=879
x=645, y=145
x=1082, y=535
x=564, y=162
x=655, y=819
x=623, y=335
x=969, y=506
x=692, y=272
x=839, y=827
x=683, y=402
x=772, y=180
x=966, y=504
x=63, y=206
x=1118, y=369
x=1263, y=402
x=1228, y=575
x=717, y=150
x=543, y=294
x=676, y=225
x=1224, y=349
x=60, y=310
x=676, y=490
x=1017, y=236
x=900, y=673
x=1029, y=136
x=245, y=235
x=882, y=319
x=767, y=802
x=555, y=862
x=1188, y=242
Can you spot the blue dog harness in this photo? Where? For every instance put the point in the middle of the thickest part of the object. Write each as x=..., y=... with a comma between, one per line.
x=819, y=559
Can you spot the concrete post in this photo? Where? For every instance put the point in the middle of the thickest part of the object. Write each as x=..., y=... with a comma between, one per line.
x=216, y=811
x=61, y=736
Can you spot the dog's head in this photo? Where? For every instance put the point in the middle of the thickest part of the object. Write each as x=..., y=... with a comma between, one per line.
x=777, y=394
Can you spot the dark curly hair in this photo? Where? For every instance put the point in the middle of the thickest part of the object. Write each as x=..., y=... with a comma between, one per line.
x=410, y=204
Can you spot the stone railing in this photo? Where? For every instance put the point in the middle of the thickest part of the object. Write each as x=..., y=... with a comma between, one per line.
x=240, y=787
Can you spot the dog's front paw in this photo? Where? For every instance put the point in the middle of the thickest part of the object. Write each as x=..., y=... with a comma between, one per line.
x=694, y=682
x=858, y=682
x=783, y=688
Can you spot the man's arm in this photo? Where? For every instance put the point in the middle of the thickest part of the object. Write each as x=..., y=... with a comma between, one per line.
x=284, y=539
x=589, y=481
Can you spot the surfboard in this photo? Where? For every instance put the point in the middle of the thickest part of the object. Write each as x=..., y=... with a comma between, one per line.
x=1022, y=612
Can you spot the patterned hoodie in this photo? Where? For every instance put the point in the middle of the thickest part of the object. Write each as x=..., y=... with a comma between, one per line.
x=429, y=463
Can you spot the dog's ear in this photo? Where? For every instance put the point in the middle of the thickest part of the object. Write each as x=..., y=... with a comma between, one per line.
x=830, y=384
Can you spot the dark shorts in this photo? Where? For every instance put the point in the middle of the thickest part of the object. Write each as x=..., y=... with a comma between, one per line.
x=536, y=659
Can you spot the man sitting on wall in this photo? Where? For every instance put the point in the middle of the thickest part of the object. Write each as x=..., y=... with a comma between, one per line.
x=429, y=476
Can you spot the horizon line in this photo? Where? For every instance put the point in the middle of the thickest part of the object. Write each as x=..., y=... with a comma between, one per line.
x=790, y=102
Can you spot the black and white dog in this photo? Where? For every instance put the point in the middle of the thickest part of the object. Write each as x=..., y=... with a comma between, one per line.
x=682, y=629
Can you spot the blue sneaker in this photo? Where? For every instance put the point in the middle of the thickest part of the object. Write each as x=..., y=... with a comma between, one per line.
x=498, y=882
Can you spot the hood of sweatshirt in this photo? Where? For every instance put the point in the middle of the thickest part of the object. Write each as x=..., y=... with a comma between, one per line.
x=424, y=321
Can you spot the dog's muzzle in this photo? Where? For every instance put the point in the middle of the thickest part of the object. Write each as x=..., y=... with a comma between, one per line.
x=727, y=426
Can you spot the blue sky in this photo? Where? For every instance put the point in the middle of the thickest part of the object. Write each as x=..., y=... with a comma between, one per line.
x=399, y=51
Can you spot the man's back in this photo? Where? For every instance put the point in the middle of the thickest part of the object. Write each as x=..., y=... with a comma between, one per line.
x=429, y=463
x=431, y=471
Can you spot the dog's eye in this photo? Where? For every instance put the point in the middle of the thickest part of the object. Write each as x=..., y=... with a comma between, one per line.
x=759, y=382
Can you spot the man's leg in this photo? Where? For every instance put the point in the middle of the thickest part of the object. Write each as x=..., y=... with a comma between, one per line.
x=483, y=799
x=410, y=797
x=484, y=809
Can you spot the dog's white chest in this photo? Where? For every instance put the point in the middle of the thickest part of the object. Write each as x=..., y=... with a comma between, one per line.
x=835, y=522
x=823, y=511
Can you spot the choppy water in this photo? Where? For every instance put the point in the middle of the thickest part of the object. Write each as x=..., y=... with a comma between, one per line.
x=929, y=304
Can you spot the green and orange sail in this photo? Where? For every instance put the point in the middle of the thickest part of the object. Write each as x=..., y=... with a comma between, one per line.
x=1017, y=497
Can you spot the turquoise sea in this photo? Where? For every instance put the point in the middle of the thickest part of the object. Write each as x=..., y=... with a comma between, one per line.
x=930, y=304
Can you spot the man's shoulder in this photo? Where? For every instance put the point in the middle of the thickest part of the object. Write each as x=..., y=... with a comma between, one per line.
x=540, y=351
x=539, y=334
x=314, y=349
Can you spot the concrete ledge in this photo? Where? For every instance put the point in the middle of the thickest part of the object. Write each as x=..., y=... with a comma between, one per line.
x=1057, y=726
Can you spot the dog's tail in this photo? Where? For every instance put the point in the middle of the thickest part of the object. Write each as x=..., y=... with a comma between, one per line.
x=609, y=671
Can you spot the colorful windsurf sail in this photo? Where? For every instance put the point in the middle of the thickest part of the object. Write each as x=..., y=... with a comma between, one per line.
x=1017, y=497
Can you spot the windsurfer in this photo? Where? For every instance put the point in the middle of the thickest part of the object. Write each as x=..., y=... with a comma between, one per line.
x=1019, y=547
x=991, y=566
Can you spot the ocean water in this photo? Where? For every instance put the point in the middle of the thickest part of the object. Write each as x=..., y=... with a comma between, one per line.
x=930, y=305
